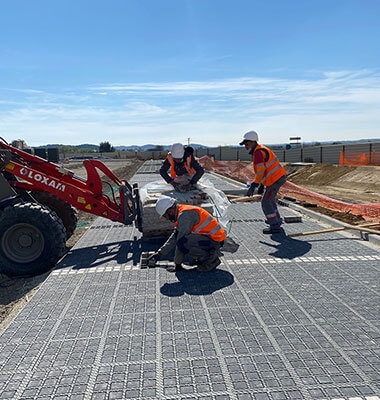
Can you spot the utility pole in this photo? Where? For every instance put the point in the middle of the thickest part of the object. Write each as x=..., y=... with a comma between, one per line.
x=188, y=141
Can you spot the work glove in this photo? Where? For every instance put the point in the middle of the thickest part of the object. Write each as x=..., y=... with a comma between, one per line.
x=251, y=189
x=260, y=189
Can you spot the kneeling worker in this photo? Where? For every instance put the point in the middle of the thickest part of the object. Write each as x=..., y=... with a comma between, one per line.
x=196, y=233
x=185, y=171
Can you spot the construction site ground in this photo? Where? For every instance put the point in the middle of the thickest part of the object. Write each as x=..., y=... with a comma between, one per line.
x=281, y=318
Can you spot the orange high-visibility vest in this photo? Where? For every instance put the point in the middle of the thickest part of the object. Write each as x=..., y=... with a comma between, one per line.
x=187, y=163
x=208, y=225
x=273, y=169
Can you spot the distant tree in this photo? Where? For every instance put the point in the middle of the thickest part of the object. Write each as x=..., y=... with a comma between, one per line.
x=317, y=143
x=156, y=148
x=105, y=147
x=68, y=149
x=74, y=150
x=336, y=142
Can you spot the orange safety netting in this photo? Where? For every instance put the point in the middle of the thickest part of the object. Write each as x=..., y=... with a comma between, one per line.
x=243, y=172
x=366, y=158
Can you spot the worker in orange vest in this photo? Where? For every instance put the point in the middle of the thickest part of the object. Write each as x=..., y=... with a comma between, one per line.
x=269, y=173
x=196, y=233
x=184, y=170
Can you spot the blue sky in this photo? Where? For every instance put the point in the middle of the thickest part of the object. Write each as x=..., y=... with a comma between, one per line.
x=160, y=71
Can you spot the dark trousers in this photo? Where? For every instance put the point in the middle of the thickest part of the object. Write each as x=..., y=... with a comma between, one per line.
x=199, y=247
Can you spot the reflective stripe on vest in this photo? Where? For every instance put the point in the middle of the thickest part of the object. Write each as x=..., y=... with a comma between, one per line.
x=273, y=169
x=187, y=164
x=207, y=225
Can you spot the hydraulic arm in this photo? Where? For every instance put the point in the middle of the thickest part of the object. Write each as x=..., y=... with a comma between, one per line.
x=36, y=174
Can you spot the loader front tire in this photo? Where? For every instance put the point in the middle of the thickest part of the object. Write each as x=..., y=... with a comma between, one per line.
x=62, y=208
x=32, y=239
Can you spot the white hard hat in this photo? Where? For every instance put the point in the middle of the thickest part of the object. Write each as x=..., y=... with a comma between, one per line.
x=251, y=135
x=177, y=150
x=163, y=204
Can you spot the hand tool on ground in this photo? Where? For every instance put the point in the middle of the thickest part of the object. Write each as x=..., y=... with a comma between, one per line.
x=244, y=199
x=362, y=227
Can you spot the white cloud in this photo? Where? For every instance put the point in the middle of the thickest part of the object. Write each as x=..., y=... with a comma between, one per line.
x=336, y=105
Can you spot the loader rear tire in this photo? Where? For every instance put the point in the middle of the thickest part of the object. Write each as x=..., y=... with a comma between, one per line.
x=32, y=239
x=62, y=208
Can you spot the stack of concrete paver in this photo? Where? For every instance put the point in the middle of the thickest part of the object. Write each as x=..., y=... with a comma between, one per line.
x=154, y=225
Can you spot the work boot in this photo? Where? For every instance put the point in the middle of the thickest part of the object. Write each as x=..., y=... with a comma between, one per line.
x=272, y=229
x=203, y=267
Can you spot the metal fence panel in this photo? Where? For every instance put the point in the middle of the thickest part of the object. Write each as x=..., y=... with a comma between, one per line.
x=326, y=154
x=376, y=146
x=214, y=152
x=229, y=153
x=201, y=152
x=147, y=155
x=357, y=148
x=293, y=155
x=279, y=154
x=331, y=154
x=244, y=154
x=131, y=153
x=312, y=154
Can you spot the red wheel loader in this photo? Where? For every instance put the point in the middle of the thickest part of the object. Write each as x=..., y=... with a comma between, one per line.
x=38, y=203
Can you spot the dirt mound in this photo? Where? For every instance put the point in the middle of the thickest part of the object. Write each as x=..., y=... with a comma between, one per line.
x=354, y=184
x=318, y=174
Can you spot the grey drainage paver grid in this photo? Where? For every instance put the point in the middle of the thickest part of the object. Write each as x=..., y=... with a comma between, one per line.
x=280, y=319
